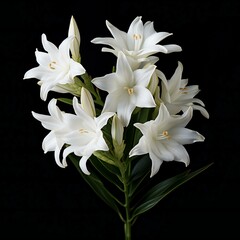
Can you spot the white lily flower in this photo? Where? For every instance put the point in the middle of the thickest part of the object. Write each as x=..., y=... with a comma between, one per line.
x=127, y=89
x=81, y=132
x=55, y=122
x=85, y=136
x=56, y=67
x=75, y=45
x=138, y=43
x=177, y=96
x=164, y=137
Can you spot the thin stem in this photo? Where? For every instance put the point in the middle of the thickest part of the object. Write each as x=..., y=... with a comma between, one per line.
x=127, y=224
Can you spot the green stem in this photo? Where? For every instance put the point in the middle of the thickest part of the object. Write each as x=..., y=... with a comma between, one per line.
x=127, y=223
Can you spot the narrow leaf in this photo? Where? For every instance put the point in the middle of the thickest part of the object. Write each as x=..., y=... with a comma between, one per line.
x=97, y=185
x=162, y=189
x=65, y=100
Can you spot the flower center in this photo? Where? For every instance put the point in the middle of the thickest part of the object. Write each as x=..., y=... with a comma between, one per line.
x=82, y=131
x=183, y=90
x=163, y=135
x=52, y=65
x=137, y=36
x=129, y=90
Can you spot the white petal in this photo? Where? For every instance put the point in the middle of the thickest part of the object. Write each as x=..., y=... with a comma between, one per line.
x=76, y=68
x=49, y=47
x=185, y=135
x=42, y=58
x=155, y=38
x=173, y=48
x=56, y=155
x=37, y=72
x=108, y=83
x=143, y=76
x=179, y=151
x=143, y=97
x=202, y=110
x=101, y=120
x=49, y=143
x=123, y=70
x=119, y=35
x=139, y=149
x=124, y=111
x=83, y=164
x=156, y=163
x=112, y=100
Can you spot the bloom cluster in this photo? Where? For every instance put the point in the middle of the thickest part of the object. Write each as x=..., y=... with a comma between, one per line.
x=139, y=97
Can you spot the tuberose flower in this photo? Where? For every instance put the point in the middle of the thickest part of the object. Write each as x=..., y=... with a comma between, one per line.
x=81, y=132
x=56, y=67
x=164, y=137
x=138, y=43
x=177, y=96
x=127, y=89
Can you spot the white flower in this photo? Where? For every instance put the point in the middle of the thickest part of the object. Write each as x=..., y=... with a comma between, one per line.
x=138, y=43
x=164, y=137
x=73, y=31
x=127, y=89
x=80, y=131
x=85, y=136
x=55, y=68
x=177, y=96
x=56, y=123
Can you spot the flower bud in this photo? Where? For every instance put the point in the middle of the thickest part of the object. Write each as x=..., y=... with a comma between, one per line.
x=117, y=130
x=75, y=46
x=87, y=102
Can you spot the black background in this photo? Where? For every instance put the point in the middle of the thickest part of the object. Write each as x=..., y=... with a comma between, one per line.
x=38, y=199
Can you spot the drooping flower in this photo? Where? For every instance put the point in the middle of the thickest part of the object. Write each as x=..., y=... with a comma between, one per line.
x=127, y=89
x=164, y=137
x=56, y=68
x=138, y=43
x=177, y=96
x=81, y=132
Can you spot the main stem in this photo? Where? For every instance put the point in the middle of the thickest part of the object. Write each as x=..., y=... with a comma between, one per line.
x=127, y=224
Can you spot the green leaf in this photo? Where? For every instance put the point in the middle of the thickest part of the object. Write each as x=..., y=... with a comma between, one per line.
x=108, y=171
x=97, y=185
x=65, y=100
x=140, y=170
x=162, y=189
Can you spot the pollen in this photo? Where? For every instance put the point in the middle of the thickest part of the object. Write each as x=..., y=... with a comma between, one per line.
x=83, y=131
x=51, y=65
x=165, y=133
x=137, y=36
x=184, y=90
x=129, y=90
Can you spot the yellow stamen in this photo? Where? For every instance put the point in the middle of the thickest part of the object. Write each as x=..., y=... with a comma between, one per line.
x=137, y=36
x=83, y=130
x=130, y=90
x=51, y=65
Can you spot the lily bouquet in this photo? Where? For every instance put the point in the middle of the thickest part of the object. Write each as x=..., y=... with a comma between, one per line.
x=122, y=126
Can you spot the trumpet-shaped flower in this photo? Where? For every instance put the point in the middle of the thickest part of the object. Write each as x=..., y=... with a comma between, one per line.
x=177, y=96
x=127, y=89
x=81, y=132
x=138, y=43
x=164, y=137
x=56, y=67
